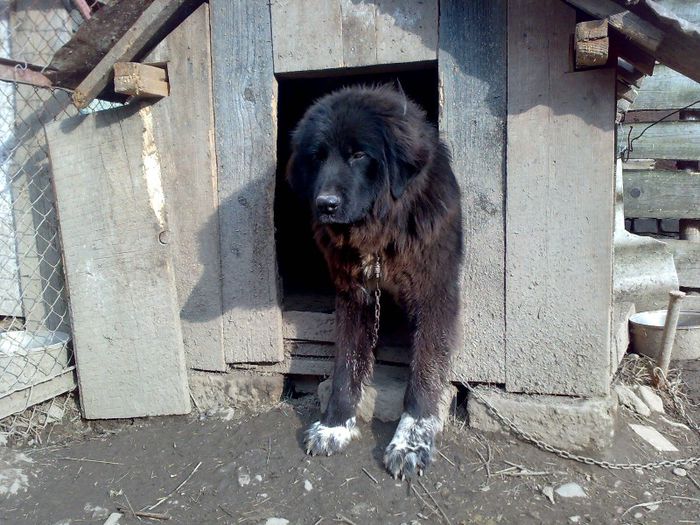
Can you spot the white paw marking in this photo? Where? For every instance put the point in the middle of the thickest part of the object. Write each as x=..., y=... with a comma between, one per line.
x=411, y=433
x=321, y=439
x=411, y=448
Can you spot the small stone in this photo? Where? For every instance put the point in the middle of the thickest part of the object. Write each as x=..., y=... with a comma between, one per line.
x=308, y=487
x=243, y=479
x=276, y=521
x=638, y=515
x=548, y=492
x=652, y=508
x=571, y=490
x=617, y=484
x=630, y=400
x=574, y=519
x=485, y=488
x=678, y=471
x=258, y=478
x=650, y=398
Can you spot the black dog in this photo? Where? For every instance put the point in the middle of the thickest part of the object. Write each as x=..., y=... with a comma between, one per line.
x=381, y=188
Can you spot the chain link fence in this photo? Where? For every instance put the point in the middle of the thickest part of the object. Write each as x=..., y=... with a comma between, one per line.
x=34, y=321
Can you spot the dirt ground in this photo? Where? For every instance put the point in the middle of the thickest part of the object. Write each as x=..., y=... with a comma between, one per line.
x=253, y=468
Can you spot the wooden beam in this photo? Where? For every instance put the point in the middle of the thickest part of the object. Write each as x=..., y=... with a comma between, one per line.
x=245, y=104
x=591, y=43
x=128, y=47
x=640, y=32
x=625, y=91
x=667, y=90
x=140, y=80
x=678, y=140
x=661, y=194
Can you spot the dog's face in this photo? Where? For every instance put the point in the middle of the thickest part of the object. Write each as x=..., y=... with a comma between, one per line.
x=348, y=151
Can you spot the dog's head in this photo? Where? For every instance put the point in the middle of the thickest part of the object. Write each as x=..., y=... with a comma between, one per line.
x=355, y=147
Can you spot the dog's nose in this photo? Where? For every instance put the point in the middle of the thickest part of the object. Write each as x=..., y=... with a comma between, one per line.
x=327, y=204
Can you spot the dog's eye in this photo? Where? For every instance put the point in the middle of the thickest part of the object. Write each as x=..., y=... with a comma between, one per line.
x=358, y=155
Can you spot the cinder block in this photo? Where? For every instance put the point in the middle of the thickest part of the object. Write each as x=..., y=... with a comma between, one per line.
x=646, y=226
x=670, y=225
x=565, y=422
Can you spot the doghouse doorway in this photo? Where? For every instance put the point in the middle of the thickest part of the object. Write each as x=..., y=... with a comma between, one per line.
x=305, y=283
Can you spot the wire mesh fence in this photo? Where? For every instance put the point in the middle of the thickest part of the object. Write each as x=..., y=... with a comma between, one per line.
x=34, y=320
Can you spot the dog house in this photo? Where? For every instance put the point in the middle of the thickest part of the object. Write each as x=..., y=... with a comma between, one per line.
x=183, y=249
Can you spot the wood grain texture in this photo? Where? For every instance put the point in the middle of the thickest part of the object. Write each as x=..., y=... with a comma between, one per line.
x=140, y=80
x=20, y=400
x=472, y=69
x=668, y=90
x=678, y=140
x=321, y=34
x=128, y=47
x=662, y=194
x=125, y=317
x=309, y=326
x=184, y=124
x=559, y=214
x=245, y=99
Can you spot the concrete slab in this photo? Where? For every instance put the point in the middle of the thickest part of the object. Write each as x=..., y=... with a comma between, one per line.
x=566, y=422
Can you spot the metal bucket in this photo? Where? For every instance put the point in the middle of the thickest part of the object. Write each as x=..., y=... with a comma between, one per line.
x=648, y=330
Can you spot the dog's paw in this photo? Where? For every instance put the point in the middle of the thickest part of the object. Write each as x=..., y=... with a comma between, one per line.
x=411, y=450
x=321, y=439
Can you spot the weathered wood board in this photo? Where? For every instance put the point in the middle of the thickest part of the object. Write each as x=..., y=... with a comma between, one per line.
x=662, y=194
x=666, y=89
x=183, y=134
x=678, y=140
x=245, y=98
x=20, y=400
x=472, y=69
x=125, y=317
x=559, y=218
x=321, y=34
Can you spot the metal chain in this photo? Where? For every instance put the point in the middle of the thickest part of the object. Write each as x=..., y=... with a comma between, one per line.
x=377, y=301
x=525, y=436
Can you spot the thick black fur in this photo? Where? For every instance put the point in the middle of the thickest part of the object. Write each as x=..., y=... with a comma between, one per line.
x=379, y=183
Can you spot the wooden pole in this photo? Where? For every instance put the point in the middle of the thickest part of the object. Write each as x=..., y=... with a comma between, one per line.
x=672, y=313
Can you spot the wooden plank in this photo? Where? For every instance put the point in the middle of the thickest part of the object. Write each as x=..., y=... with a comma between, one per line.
x=125, y=318
x=639, y=31
x=472, y=70
x=666, y=140
x=389, y=354
x=128, y=47
x=307, y=34
x=319, y=34
x=406, y=31
x=308, y=326
x=686, y=256
x=666, y=89
x=559, y=216
x=184, y=136
x=140, y=80
x=591, y=43
x=245, y=99
x=20, y=400
x=661, y=194
x=20, y=75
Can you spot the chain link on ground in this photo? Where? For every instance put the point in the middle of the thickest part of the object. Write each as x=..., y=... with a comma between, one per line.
x=529, y=438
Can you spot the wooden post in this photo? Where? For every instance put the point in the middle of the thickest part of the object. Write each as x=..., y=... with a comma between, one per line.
x=591, y=43
x=472, y=69
x=245, y=100
x=559, y=218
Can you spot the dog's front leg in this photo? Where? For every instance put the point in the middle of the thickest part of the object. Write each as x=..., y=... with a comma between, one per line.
x=353, y=366
x=412, y=447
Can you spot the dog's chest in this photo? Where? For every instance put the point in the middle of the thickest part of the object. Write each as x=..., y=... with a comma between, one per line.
x=376, y=272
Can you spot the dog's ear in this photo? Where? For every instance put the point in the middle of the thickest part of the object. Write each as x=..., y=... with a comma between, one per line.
x=403, y=159
x=295, y=175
